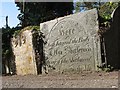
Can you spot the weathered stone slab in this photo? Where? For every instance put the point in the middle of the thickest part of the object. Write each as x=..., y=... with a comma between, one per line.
x=72, y=42
x=24, y=54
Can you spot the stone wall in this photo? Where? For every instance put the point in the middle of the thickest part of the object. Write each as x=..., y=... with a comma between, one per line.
x=24, y=53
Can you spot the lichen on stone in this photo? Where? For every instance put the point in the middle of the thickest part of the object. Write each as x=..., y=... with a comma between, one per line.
x=18, y=34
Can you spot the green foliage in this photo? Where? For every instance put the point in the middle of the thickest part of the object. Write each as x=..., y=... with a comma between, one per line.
x=36, y=12
x=6, y=44
x=106, y=9
x=18, y=32
x=106, y=68
x=79, y=6
x=7, y=34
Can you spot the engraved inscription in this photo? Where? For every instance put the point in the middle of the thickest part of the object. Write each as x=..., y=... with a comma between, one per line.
x=73, y=59
x=66, y=32
x=70, y=49
x=70, y=45
x=70, y=41
x=55, y=52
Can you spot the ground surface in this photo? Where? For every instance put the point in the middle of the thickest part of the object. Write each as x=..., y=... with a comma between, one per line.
x=81, y=80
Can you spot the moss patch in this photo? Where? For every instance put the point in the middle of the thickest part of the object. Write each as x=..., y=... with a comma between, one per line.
x=19, y=32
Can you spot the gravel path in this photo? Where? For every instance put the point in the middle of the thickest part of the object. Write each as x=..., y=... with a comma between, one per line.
x=81, y=80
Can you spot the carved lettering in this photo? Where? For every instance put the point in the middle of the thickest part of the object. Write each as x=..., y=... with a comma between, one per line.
x=55, y=52
x=70, y=41
x=66, y=32
x=70, y=45
x=71, y=60
x=76, y=50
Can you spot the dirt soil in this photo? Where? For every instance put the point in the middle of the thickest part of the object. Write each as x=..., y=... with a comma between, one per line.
x=81, y=80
